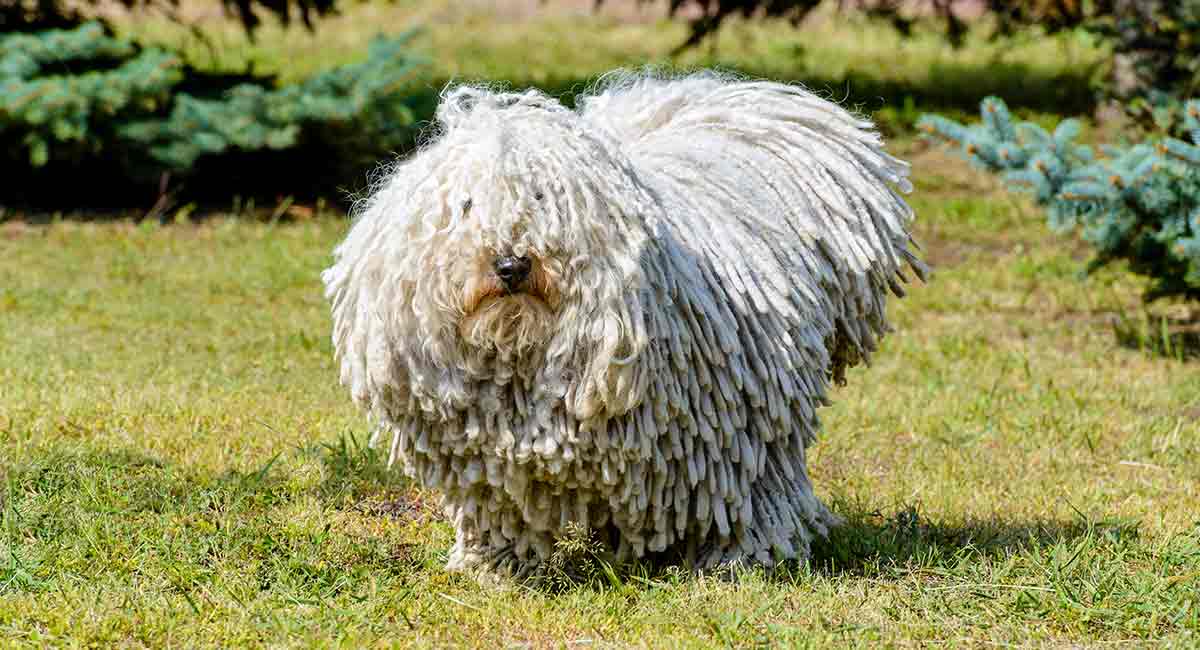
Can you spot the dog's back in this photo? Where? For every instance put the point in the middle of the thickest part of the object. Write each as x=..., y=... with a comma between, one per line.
x=790, y=198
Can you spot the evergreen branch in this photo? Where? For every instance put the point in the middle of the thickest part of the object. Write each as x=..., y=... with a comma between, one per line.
x=1139, y=203
x=129, y=101
x=23, y=55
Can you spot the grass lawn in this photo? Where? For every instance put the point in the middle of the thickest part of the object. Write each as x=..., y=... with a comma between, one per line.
x=179, y=467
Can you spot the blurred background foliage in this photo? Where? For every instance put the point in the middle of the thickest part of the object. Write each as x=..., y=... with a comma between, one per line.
x=1155, y=43
x=38, y=15
x=212, y=98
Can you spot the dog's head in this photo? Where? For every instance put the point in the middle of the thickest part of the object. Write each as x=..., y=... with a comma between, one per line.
x=509, y=249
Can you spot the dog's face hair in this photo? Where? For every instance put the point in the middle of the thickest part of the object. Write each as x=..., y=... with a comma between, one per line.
x=504, y=255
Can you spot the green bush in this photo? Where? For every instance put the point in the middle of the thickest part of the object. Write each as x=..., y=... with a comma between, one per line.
x=83, y=96
x=1139, y=203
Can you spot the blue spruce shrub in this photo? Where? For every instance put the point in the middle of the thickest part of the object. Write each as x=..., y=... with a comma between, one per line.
x=1139, y=203
x=134, y=105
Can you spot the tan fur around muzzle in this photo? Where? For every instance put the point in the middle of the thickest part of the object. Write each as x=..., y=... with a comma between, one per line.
x=510, y=322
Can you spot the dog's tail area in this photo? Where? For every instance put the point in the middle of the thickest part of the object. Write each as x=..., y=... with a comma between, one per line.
x=775, y=173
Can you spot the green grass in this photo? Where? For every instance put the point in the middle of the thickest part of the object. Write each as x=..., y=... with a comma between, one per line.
x=179, y=467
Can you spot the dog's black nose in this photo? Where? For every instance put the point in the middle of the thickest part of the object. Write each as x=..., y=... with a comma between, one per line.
x=512, y=271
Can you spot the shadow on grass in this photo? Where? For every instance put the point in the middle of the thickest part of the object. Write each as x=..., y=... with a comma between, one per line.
x=869, y=544
x=324, y=170
x=355, y=472
x=91, y=514
x=879, y=545
x=1165, y=336
x=130, y=482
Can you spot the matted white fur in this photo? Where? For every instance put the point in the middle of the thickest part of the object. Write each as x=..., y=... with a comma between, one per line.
x=708, y=254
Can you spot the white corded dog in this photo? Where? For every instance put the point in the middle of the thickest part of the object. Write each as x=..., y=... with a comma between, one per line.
x=621, y=317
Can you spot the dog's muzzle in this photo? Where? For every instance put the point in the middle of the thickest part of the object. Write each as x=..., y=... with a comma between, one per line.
x=512, y=271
